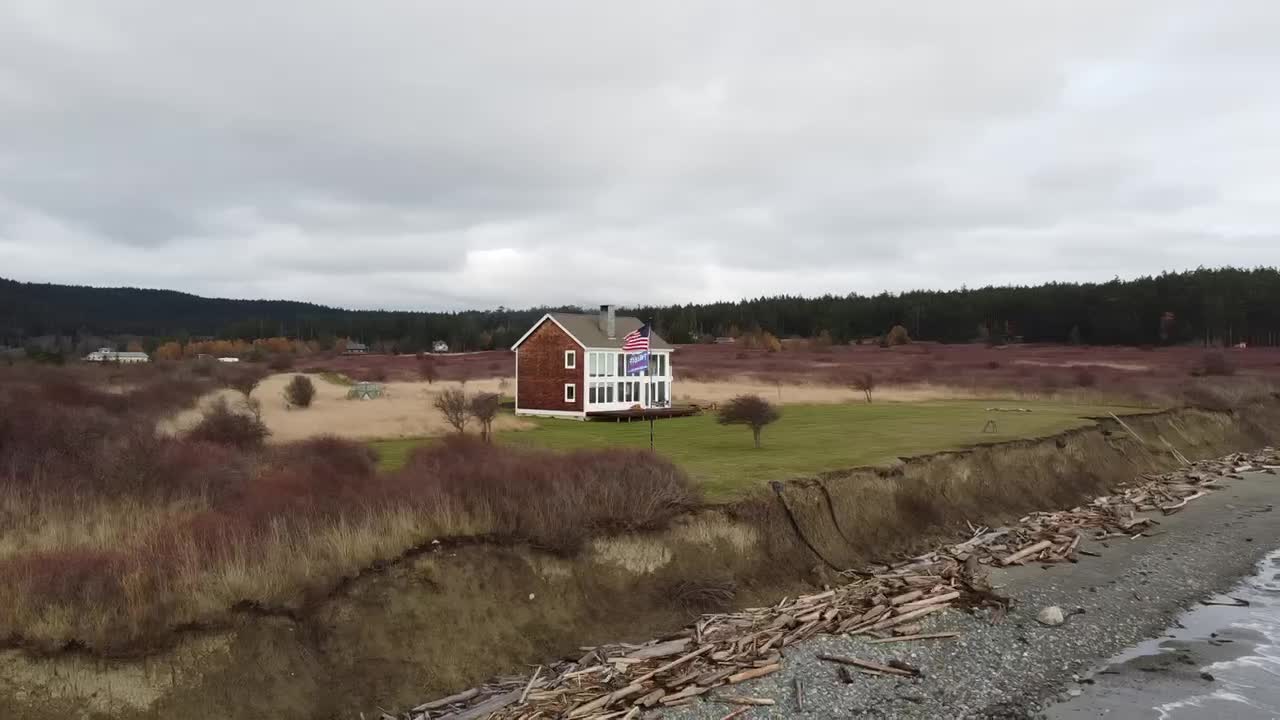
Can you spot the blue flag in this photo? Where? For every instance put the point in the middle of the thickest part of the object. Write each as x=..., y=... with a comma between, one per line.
x=638, y=363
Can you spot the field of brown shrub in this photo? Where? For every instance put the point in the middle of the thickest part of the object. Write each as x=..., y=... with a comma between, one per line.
x=112, y=535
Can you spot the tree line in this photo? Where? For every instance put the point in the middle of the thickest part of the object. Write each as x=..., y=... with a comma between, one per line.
x=1211, y=306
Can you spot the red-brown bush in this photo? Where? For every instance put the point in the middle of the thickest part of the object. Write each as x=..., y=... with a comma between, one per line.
x=552, y=500
x=1084, y=377
x=1214, y=363
x=224, y=426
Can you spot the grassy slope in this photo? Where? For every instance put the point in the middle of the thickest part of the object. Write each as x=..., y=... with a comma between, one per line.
x=808, y=439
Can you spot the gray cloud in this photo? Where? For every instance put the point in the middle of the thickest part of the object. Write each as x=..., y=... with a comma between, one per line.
x=433, y=155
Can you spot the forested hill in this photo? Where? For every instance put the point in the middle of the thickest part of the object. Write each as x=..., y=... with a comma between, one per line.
x=1229, y=305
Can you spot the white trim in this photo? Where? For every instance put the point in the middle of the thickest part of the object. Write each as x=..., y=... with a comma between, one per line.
x=570, y=359
x=538, y=324
x=618, y=348
x=571, y=389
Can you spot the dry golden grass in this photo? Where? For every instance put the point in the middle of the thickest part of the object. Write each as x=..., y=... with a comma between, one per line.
x=278, y=568
x=706, y=392
x=405, y=410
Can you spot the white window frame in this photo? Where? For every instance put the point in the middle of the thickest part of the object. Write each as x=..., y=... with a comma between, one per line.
x=570, y=359
x=570, y=392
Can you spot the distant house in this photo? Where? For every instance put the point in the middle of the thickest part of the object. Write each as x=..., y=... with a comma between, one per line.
x=229, y=359
x=572, y=365
x=109, y=355
x=355, y=348
x=439, y=346
x=725, y=340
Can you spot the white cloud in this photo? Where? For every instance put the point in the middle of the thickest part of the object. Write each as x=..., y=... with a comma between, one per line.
x=433, y=155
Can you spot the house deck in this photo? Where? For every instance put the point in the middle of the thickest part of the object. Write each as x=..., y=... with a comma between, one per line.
x=644, y=413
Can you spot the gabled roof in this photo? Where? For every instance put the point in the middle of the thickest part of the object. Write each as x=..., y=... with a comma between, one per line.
x=585, y=330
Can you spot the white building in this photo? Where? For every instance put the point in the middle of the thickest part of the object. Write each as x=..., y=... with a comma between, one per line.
x=109, y=355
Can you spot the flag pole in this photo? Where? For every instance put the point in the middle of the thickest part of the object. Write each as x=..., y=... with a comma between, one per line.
x=650, y=393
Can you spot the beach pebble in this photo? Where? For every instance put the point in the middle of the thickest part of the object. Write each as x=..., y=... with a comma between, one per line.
x=1051, y=616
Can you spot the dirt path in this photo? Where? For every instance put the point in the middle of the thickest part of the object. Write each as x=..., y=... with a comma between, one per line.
x=1010, y=669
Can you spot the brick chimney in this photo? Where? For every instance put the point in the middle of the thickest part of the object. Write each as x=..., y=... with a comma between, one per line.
x=608, y=326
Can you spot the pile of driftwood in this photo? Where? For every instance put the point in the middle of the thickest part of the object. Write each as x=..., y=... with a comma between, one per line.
x=885, y=603
x=1049, y=537
x=717, y=652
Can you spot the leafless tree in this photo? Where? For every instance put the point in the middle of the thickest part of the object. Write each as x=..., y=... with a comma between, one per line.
x=452, y=403
x=863, y=382
x=751, y=410
x=484, y=408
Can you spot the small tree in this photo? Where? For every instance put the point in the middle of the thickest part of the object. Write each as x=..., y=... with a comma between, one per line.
x=452, y=403
x=282, y=362
x=863, y=382
x=751, y=410
x=484, y=408
x=898, y=335
x=1073, y=337
x=300, y=391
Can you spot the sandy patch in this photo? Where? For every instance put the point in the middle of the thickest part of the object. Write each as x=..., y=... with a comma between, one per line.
x=810, y=394
x=404, y=410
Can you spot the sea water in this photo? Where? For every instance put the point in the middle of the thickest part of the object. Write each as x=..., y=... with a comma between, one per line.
x=1219, y=661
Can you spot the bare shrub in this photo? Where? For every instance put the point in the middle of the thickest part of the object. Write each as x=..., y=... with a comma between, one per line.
x=553, y=500
x=377, y=373
x=300, y=391
x=453, y=404
x=897, y=335
x=224, y=426
x=282, y=362
x=863, y=382
x=821, y=342
x=1084, y=377
x=242, y=377
x=484, y=408
x=1214, y=363
x=750, y=410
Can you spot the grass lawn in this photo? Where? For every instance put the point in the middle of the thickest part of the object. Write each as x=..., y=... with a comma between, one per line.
x=808, y=439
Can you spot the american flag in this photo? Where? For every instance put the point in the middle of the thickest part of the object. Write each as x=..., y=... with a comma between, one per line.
x=637, y=340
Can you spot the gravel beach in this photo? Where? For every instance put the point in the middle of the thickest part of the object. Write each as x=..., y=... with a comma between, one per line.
x=1017, y=667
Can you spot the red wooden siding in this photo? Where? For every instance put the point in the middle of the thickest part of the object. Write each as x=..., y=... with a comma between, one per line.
x=541, y=373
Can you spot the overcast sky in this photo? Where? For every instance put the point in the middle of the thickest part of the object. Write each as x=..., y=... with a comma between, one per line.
x=440, y=155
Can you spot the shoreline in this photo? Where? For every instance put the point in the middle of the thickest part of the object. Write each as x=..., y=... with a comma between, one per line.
x=1017, y=668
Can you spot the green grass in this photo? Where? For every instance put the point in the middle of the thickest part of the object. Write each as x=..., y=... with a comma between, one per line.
x=807, y=440
x=336, y=378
